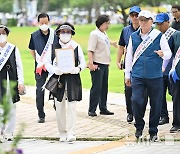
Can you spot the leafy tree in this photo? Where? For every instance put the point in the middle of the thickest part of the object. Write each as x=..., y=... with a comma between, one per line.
x=6, y=6
x=121, y=6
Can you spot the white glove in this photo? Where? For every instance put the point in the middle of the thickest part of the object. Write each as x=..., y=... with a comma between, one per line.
x=75, y=70
x=58, y=72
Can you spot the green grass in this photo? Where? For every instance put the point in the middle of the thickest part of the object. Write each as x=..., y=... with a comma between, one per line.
x=20, y=36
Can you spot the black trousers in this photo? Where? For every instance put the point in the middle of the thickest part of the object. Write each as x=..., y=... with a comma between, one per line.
x=155, y=92
x=176, y=102
x=40, y=81
x=128, y=95
x=99, y=89
x=164, y=111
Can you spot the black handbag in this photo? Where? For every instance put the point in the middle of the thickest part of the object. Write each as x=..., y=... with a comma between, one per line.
x=53, y=84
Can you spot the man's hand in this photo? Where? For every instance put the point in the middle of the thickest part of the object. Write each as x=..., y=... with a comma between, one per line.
x=21, y=89
x=160, y=53
x=128, y=82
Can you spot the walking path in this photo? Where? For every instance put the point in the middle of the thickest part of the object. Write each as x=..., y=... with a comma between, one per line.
x=102, y=126
x=98, y=128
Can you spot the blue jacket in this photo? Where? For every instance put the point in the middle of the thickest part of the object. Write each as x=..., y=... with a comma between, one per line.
x=149, y=64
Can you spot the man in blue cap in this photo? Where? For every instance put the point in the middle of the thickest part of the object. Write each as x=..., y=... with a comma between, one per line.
x=173, y=37
x=162, y=22
x=123, y=43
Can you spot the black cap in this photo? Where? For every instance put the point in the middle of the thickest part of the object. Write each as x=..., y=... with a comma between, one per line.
x=5, y=28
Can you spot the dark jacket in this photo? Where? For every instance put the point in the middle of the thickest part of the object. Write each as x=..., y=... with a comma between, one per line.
x=73, y=81
x=11, y=68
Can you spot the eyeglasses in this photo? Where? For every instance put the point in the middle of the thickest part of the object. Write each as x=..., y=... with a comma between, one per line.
x=65, y=32
x=134, y=15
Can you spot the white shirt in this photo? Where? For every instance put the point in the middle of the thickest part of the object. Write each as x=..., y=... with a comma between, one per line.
x=129, y=56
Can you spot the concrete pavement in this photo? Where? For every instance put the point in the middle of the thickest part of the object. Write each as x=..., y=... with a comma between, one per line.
x=87, y=128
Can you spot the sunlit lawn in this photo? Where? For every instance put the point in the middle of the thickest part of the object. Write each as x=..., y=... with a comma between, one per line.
x=20, y=36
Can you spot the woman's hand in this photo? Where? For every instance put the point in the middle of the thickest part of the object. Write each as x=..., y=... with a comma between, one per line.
x=92, y=67
x=114, y=43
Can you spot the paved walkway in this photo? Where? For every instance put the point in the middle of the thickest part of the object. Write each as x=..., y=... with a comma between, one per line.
x=99, y=127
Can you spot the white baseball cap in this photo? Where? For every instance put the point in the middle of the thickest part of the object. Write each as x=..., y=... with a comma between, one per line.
x=145, y=13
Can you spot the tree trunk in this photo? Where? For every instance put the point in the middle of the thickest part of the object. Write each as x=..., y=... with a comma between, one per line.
x=125, y=16
x=89, y=15
x=97, y=8
x=45, y=6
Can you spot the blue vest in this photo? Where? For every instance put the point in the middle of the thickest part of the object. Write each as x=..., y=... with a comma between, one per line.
x=127, y=31
x=149, y=64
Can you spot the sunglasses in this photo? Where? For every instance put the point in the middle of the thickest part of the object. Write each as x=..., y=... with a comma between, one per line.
x=134, y=15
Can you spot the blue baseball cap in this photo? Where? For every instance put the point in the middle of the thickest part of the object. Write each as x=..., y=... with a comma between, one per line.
x=161, y=17
x=135, y=9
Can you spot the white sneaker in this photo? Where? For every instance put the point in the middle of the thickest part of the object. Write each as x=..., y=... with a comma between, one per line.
x=63, y=139
x=9, y=136
x=71, y=138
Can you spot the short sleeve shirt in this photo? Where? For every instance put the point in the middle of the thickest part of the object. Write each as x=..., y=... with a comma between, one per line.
x=99, y=48
x=125, y=35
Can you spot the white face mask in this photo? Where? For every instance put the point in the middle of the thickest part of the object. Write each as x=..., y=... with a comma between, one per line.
x=44, y=27
x=65, y=38
x=3, y=38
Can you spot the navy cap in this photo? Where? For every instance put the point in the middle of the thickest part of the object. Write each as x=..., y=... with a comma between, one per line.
x=161, y=17
x=135, y=9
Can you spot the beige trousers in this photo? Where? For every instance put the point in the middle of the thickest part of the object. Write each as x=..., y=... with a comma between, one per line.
x=66, y=116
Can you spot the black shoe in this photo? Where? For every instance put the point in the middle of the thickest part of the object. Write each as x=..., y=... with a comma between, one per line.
x=92, y=114
x=138, y=133
x=174, y=129
x=129, y=118
x=106, y=112
x=41, y=120
x=163, y=121
x=153, y=138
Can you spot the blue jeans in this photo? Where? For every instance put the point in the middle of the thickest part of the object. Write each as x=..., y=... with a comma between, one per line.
x=155, y=92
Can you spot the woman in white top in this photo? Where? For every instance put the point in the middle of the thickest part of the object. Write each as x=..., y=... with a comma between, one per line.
x=70, y=88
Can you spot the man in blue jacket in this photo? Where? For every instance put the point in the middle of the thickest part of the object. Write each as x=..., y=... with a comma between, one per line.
x=162, y=22
x=145, y=53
